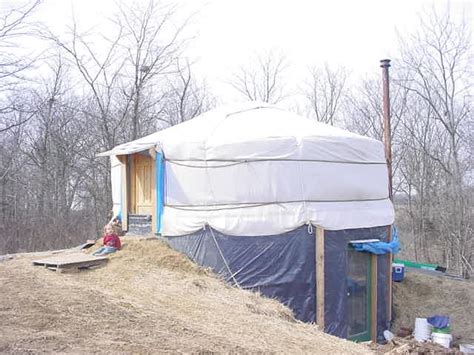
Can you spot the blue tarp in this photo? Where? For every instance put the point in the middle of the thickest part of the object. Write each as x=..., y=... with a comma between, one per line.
x=380, y=248
x=438, y=321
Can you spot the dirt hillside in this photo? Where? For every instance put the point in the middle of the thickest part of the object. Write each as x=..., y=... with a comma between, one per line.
x=424, y=295
x=147, y=299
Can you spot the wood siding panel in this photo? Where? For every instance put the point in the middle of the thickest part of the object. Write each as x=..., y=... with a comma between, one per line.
x=320, y=277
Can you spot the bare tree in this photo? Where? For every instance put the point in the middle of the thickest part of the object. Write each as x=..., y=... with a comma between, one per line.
x=324, y=91
x=152, y=44
x=432, y=115
x=263, y=79
x=122, y=72
x=45, y=168
x=99, y=70
x=125, y=73
x=13, y=26
x=437, y=62
x=185, y=98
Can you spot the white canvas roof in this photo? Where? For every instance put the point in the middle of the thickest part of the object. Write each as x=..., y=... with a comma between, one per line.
x=256, y=169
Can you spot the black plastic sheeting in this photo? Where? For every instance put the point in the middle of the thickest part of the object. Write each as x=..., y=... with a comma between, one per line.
x=279, y=266
x=283, y=267
x=335, y=288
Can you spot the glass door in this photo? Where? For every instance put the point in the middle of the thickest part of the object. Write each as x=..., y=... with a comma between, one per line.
x=358, y=295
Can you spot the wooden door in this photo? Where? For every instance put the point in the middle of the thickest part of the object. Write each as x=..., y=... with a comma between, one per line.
x=143, y=184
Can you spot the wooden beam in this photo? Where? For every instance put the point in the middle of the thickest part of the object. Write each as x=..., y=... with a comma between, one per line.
x=320, y=277
x=373, y=297
x=152, y=153
x=389, y=286
x=132, y=193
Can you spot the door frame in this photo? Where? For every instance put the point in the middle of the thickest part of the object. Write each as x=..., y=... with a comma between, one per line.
x=133, y=182
x=367, y=334
x=130, y=189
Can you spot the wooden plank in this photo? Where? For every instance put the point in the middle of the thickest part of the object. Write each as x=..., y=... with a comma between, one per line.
x=389, y=276
x=320, y=277
x=152, y=153
x=363, y=241
x=69, y=260
x=86, y=245
x=133, y=183
x=373, y=297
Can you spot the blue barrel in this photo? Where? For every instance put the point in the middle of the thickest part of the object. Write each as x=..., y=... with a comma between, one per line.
x=398, y=272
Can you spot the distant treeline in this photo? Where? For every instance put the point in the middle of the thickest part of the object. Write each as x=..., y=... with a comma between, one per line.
x=97, y=91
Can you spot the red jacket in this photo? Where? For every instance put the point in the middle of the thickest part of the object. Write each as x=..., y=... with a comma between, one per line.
x=112, y=240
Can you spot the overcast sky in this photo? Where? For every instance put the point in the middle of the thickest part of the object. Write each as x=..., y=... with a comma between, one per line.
x=355, y=34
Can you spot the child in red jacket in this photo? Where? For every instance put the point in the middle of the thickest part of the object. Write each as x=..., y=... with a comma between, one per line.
x=111, y=242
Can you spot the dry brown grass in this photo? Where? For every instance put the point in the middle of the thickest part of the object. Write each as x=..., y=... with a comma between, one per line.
x=424, y=295
x=147, y=299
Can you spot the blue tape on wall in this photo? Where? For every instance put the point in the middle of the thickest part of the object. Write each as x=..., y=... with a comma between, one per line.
x=160, y=189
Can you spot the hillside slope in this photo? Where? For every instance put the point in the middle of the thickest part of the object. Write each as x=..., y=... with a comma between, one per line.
x=424, y=295
x=148, y=298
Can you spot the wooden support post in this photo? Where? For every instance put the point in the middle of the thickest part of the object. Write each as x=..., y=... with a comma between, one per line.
x=320, y=277
x=389, y=278
x=152, y=153
x=132, y=183
x=373, y=297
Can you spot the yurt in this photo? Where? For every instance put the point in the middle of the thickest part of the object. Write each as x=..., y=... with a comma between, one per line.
x=273, y=202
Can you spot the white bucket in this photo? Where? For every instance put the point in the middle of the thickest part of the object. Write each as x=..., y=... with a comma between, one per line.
x=388, y=335
x=467, y=348
x=422, y=329
x=442, y=339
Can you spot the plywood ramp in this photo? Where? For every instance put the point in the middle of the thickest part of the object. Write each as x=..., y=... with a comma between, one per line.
x=71, y=261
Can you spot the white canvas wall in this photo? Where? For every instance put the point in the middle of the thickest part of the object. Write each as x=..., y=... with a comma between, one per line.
x=116, y=176
x=257, y=169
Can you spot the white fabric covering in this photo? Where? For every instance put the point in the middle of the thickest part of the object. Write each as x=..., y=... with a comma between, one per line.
x=116, y=176
x=256, y=169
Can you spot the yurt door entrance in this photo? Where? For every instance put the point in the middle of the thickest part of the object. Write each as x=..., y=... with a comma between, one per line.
x=358, y=295
x=142, y=184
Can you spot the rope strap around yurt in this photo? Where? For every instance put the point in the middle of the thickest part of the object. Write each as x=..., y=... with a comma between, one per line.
x=245, y=161
x=234, y=205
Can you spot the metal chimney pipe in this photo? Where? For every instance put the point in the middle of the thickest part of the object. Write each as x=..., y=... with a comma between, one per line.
x=387, y=129
x=387, y=138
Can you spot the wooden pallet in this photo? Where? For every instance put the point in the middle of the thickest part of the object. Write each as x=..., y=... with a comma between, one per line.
x=71, y=262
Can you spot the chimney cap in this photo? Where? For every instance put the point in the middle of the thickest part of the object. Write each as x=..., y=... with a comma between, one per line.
x=385, y=63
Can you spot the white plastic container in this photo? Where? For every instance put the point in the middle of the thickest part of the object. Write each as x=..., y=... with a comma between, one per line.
x=467, y=348
x=422, y=330
x=388, y=335
x=442, y=339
